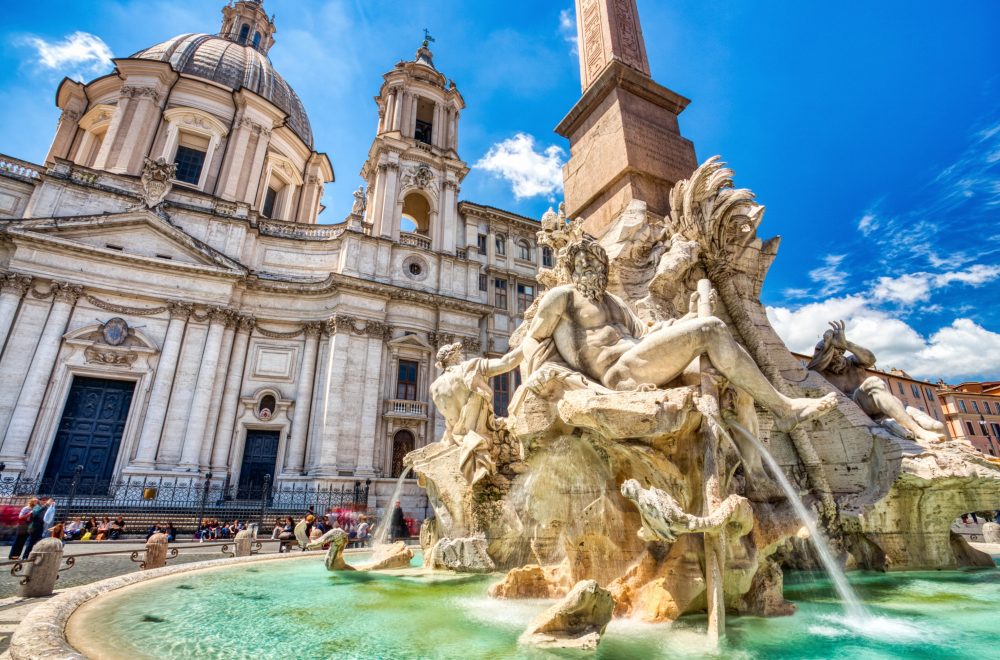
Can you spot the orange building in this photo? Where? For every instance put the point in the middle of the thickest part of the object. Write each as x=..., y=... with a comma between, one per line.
x=972, y=412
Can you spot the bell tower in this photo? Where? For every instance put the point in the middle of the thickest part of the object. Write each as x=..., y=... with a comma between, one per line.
x=413, y=171
x=623, y=115
x=246, y=23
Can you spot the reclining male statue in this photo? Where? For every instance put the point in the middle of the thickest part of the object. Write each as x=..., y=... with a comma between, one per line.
x=849, y=375
x=596, y=334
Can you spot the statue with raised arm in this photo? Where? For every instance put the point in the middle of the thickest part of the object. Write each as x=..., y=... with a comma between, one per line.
x=596, y=334
x=848, y=374
x=463, y=396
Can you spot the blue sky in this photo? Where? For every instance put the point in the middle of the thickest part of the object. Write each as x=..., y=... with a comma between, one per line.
x=871, y=131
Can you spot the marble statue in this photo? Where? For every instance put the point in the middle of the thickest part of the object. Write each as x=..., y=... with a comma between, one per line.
x=360, y=202
x=465, y=399
x=596, y=334
x=848, y=374
x=664, y=520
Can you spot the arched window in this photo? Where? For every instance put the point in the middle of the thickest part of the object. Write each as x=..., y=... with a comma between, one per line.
x=256, y=40
x=402, y=444
x=416, y=214
x=266, y=407
x=500, y=242
x=524, y=250
x=244, y=33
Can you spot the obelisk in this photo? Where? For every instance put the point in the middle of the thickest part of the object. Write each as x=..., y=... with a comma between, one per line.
x=625, y=142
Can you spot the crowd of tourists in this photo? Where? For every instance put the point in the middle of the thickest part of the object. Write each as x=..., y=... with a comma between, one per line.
x=213, y=530
x=359, y=527
x=37, y=520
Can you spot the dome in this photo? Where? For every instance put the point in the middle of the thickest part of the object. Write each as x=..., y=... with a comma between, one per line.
x=235, y=66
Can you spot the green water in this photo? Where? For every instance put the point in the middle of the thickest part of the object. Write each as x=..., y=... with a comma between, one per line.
x=296, y=609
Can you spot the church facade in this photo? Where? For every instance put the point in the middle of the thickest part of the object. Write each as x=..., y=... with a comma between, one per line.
x=171, y=306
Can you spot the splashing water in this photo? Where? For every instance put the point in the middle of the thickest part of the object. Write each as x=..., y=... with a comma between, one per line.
x=853, y=608
x=381, y=535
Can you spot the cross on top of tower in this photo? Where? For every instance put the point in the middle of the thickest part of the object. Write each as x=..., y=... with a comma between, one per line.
x=428, y=39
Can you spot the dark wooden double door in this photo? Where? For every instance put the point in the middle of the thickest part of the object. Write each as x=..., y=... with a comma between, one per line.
x=260, y=455
x=89, y=434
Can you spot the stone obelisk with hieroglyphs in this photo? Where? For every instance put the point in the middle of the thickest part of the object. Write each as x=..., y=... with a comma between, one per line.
x=625, y=142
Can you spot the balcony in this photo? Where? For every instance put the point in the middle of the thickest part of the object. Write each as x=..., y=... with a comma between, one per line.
x=406, y=408
x=415, y=240
x=20, y=169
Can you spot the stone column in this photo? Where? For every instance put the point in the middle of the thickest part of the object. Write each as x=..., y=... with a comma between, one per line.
x=13, y=286
x=195, y=433
x=336, y=401
x=44, y=570
x=182, y=395
x=448, y=216
x=437, y=131
x=411, y=123
x=118, y=124
x=371, y=410
x=320, y=398
x=218, y=390
x=231, y=397
x=303, y=392
x=69, y=122
x=163, y=380
x=37, y=380
x=229, y=177
x=386, y=225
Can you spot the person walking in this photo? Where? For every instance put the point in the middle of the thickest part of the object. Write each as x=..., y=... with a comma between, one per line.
x=23, y=522
x=397, y=528
x=37, y=526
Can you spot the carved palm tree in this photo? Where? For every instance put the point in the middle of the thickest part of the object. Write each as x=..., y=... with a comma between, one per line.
x=723, y=220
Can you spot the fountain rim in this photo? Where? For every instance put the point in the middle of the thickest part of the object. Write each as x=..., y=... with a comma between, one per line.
x=44, y=634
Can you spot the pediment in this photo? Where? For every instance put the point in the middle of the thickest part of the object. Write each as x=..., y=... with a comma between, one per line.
x=411, y=341
x=137, y=235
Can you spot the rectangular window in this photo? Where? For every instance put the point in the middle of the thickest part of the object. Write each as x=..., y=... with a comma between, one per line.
x=961, y=406
x=269, y=199
x=915, y=390
x=517, y=380
x=481, y=243
x=501, y=395
x=899, y=385
x=972, y=429
x=482, y=281
x=501, y=244
x=406, y=380
x=929, y=393
x=547, y=257
x=500, y=293
x=975, y=406
x=189, y=163
x=525, y=296
x=996, y=430
x=986, y=408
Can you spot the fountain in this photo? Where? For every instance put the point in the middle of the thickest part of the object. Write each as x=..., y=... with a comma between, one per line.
x=626, y=509
x=381, y=534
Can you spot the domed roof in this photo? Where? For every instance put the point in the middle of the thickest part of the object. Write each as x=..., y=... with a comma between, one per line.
x=236, y=66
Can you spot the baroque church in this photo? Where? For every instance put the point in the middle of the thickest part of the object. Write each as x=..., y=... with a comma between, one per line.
x=173, y=305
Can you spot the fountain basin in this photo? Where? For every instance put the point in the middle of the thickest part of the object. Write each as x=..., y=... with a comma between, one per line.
x=295, y=608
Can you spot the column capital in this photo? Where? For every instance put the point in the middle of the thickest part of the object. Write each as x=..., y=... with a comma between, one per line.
x=218, y=315
x=313, y=329
x=15, y=283
x=67, y=293
x=179, y=309
x=245, y=323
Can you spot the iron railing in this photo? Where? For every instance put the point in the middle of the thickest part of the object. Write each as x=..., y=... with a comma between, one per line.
x=184, y=501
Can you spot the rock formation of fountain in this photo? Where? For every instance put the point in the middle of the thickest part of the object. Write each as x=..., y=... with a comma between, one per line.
x=648, y=479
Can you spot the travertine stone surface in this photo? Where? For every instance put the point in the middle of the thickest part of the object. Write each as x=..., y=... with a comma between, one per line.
x=391, y=555
x=42, y=573
x=575, y=622
x=467, y=555
x=156, y=552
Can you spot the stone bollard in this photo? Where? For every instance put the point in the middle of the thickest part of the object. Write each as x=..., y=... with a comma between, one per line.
x=244, y=540
x=156, y=552
x=991, y=532
x=43, y=573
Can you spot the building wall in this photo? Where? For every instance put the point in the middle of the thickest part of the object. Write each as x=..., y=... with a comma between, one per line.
x=973, y=416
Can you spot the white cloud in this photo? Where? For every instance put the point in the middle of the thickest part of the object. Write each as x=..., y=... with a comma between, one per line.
x=868, y=223
x=567, y=28
x=829, y=276
x=961, y=350
x=531, y=173
x=917, y=287
x=79, y=52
